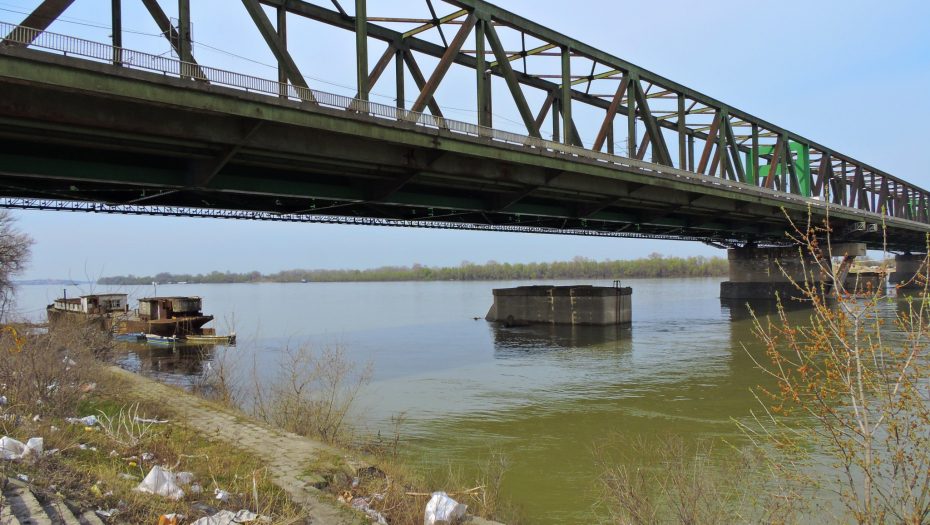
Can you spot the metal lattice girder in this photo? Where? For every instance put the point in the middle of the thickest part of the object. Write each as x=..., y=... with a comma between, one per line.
x=275, y=43
x=508, y=74
x=164, y=24
x=445, y=63
x=43, y=16
x=721, y=147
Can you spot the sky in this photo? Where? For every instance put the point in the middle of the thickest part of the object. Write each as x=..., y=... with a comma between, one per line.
x=848, y=74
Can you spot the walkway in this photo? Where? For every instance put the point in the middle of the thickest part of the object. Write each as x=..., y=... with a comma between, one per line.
x=285, y=453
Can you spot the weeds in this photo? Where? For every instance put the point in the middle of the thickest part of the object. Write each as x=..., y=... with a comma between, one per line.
x=126, y=428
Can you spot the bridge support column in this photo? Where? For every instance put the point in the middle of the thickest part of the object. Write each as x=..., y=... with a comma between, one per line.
x=906, y=267
x=763, y=273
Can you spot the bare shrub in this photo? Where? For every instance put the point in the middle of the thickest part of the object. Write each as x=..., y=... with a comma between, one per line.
x=221, y=380
x=15, y=249
x=666, y=479
x=310, y=392
x=53, y=370
x=125, y=428
x=851, y=412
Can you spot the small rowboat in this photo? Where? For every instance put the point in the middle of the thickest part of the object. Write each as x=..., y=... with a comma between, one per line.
x=213, y=339
x=129, y=337
x=160, y=340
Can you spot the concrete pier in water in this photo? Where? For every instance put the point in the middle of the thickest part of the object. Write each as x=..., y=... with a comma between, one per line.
x=761, y=273
x=906, y=267
x=584, y=305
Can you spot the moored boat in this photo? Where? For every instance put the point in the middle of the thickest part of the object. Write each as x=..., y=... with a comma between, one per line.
x=212, y=339
x=129, y=337
x=161, y=339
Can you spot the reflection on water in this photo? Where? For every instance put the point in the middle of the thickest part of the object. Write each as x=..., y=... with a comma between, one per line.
x=520, y=341
x=178, y=364
x=542, y=394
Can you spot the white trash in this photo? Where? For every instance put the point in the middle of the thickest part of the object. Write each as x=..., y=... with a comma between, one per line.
x=33, y=447
x=88, y=421
x=224, y=517
x=221, y=494
x=160, y=482
x=138, y=419
x=443, y=508
x=11, y=449
x=184, y=478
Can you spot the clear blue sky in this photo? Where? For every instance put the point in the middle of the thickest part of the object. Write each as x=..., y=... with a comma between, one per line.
x=852, y=75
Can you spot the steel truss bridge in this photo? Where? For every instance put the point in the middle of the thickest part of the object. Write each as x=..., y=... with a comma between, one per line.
x=93, y=127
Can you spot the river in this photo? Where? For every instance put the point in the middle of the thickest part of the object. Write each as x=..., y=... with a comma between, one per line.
x=542, y=394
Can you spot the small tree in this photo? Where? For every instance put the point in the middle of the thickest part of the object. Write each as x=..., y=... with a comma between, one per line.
x=15, y=249
x=851, y=413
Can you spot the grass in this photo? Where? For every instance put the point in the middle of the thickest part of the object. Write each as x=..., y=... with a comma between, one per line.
x=62, y=374
x=90, y=477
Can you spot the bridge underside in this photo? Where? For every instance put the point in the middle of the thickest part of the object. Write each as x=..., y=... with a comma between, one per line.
x=129, y=141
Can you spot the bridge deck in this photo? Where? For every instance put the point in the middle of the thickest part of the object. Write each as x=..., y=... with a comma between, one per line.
x=79, y=134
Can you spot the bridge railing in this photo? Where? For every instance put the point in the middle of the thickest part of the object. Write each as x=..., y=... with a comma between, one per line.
x=68, y=45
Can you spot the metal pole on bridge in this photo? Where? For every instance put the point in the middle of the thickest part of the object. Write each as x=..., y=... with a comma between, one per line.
x=361, y=48
x=184, y=35
x=116, y=11
x=567, y=130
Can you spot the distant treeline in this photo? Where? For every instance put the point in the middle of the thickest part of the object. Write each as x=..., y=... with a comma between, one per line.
x=579, y=268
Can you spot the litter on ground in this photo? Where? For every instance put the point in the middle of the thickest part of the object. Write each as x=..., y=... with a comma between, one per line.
x=225, y=517
x=160, y=482
x=87, y=421
x=443, y=508
x=11, y=449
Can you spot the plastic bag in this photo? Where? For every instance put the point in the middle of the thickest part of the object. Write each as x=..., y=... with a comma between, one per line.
x=87, y=421
x=442, y=508
x=224, y=517
x=161, y=483
x=184, y=478
x=11, y=449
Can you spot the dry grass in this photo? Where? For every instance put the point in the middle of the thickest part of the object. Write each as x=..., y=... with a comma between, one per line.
x=87, y=467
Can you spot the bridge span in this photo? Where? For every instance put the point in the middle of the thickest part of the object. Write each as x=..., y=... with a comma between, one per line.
x=94, y=127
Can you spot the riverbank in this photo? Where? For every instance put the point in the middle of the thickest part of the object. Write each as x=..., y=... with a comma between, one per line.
x=654, y=266
x=138, y=425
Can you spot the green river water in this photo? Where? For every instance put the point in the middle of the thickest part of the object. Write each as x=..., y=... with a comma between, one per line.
x=542, y=394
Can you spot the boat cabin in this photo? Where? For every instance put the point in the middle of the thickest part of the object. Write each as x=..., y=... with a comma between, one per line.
x=158, y=308
x=94, y=304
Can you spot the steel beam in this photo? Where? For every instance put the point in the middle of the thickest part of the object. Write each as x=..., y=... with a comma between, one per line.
x=512, y=82
x=481, y=68
x=380, y=66
x=659, y=148
x=737, y=162
x=184, y=30
x=42, y=16
x=567, y=95
x=116, y=27
x=275, y=44
x=399, y=75
x=630, y=118
x=361, y=48
x=282, y=35
x=164, y=24
x=607, y=125
x=709, y=143
x=445, y=63
x=420, y=82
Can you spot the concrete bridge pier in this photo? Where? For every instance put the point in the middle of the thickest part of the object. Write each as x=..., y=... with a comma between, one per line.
x=906, y=267
x=761, y=273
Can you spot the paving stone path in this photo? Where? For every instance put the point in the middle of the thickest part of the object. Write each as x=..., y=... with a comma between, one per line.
x=285, y=453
